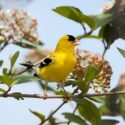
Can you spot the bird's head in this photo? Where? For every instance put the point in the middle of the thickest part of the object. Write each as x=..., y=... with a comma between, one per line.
x=67, y=43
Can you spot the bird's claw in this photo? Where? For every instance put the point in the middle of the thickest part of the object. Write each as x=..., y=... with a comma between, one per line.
x=45, y=96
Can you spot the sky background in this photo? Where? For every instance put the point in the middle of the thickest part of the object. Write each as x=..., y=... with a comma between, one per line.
x=51, y=27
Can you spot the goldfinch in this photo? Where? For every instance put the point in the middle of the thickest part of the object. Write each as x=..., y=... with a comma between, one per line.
x=57, y=66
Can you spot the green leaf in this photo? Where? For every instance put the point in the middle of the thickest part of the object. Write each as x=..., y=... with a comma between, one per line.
x=102, y=19
x=88, y=110
x=82, y=86
x=6, y=80
x=107, y=122
x=97, y=99
x=122, y=107
x=106, y=111
x=121, y=51
x=110, y=33
x=2, y=90
x=39, y=115
x=74, y=118
x=14, y=58
x=5, y=71
x=23, y=79
x=1, y=63
x=26, y=45
x=41, y=43
x=60, y=92
x=75, y=14
x=101, y=32
x=90, y=74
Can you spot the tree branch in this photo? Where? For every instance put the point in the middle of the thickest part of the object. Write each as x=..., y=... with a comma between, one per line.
x=85, y=35
x=39, y=96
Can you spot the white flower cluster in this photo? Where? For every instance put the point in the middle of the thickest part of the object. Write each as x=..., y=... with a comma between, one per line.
x=17, y=25
x=85, y=59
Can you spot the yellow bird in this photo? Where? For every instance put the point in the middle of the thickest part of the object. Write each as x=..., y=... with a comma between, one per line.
x=57, y=66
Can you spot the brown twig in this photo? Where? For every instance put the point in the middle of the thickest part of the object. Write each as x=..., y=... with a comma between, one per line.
x=39, y=96
x=52, y=113
x=6, y=92
x=85, y=35
x=4, y=45
x=22, y=71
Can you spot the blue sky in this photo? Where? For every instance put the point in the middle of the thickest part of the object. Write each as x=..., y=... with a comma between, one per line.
x=51, y=27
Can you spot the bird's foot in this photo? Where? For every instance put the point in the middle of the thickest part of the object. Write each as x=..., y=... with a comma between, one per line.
x=45, y=95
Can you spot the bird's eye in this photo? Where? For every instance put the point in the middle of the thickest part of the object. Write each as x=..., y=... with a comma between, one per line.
x=71, y=38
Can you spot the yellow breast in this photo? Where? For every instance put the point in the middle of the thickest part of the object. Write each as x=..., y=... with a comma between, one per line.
x=62, y=65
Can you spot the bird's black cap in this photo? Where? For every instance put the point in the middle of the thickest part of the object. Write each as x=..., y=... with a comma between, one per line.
x=71, y=38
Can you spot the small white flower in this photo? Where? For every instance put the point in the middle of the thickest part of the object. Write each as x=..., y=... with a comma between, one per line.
x=84, y=63
x=16, y=23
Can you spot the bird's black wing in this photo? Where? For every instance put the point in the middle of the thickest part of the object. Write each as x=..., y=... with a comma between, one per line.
x=45, y=62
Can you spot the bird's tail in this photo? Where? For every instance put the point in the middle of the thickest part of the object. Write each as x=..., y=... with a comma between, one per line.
x=28, y=64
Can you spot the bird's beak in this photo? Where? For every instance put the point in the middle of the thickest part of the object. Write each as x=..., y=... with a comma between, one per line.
x=76, y=43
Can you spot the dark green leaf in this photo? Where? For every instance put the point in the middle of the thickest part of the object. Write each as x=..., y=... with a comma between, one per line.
x=2, y=90
x=88, y=110
x=5, y=71
x=121, y=51
x=101, y=32
x=90, y=74
x=75, y=14
x=39, y=115
x=122, y=107
x=14, y=58
x=110, y=33
x=41, y=43
x=6, y=80
x=23, y=79
x=74, y=118
x=1, y=63
x=107, y=122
